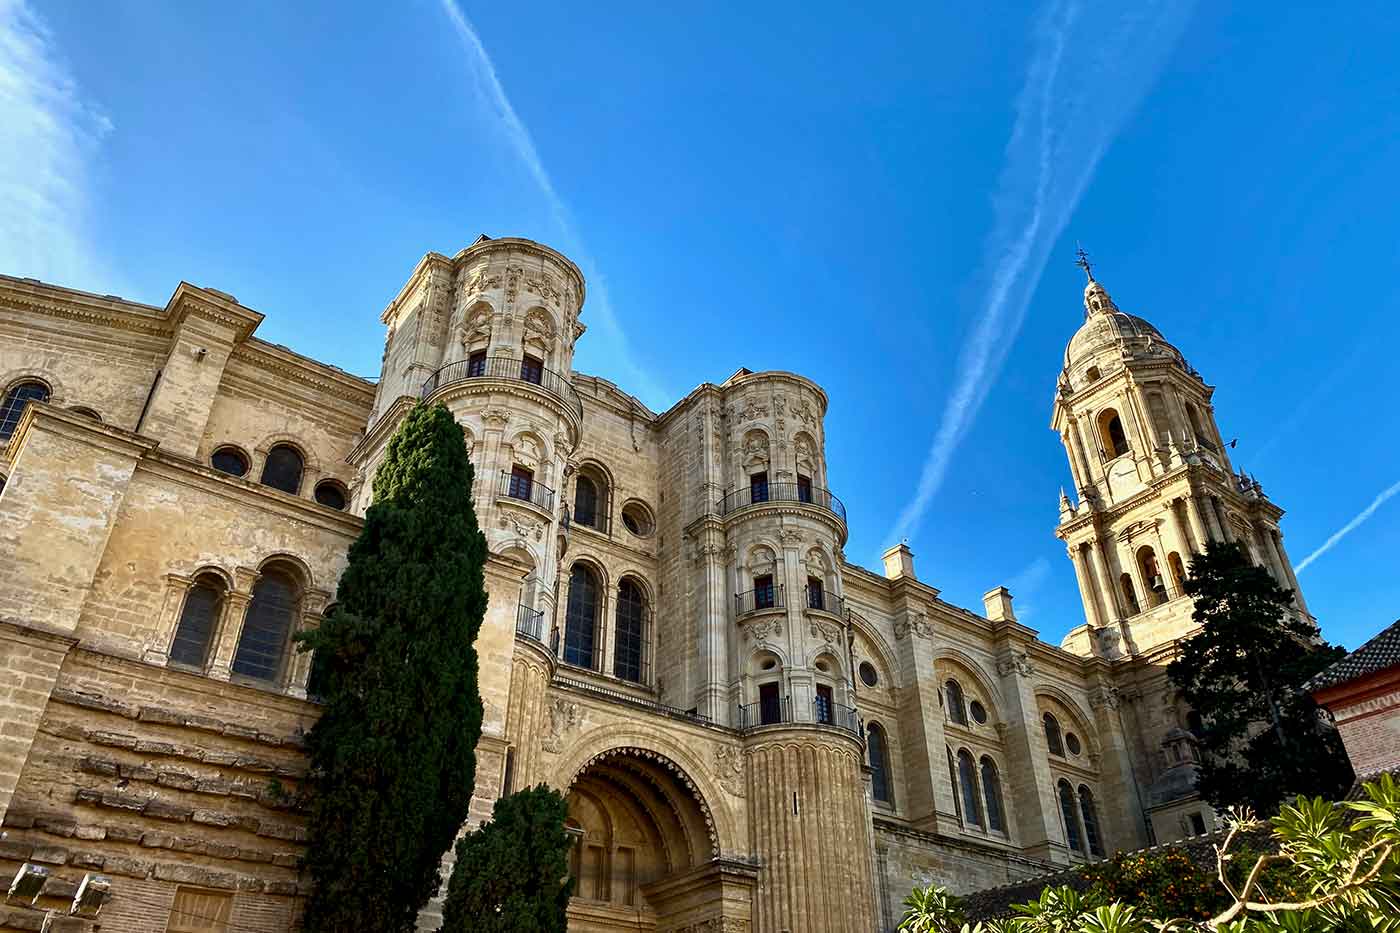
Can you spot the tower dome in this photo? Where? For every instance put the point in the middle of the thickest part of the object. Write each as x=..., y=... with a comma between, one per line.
x=1109, y=335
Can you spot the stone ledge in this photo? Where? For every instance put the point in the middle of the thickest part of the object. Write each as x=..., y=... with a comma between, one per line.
x=133, y=743
x=159, y=715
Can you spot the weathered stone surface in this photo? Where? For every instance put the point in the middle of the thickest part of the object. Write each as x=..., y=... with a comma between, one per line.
x=193, y=874
x=91, y=764
x=131, y=867
x=49, y=855
x=161, y=810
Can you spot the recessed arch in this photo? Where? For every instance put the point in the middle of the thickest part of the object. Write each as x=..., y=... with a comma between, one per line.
x=1112, y=437
x=956, y=663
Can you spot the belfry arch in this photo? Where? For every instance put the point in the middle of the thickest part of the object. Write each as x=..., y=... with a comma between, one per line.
x=646, y=847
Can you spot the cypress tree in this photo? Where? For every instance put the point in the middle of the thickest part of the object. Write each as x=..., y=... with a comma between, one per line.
x=1264, y=738
x=510, y=875
x=393, y=755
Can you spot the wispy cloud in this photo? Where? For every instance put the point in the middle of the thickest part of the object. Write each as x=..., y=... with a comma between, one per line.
x=48, y=134
x=1380, y=500
x=1026, y=585
x=1091, y=64
x=609, y=328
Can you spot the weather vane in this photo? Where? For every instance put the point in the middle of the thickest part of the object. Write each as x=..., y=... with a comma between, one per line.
x=1082, y=261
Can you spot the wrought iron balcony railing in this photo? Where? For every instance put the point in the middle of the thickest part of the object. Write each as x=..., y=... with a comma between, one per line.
x=768, y=712
x=832, y=714
x=506, y=368
x=782, y=492
x=768, y=597
x=822, y=601
x=526, y=490
x=530, y=623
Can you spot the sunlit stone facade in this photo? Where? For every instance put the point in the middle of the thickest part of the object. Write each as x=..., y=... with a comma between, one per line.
x=753, y=733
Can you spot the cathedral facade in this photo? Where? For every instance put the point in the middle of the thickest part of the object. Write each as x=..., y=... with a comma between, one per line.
x=753, y=733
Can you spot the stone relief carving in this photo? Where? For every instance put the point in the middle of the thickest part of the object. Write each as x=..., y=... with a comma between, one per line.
x=755, y=449
x=753, y=410
x=476, y=328
x=576, y=329
x=564, y=718
x=539, y=329
x=829, y=632
x=804, y=411
x=790, y=536
x=526, y=528
x=479, y=282
x=496, y=416
x=805, y=452
x=761, y=629
x=544, y=287
x=915, y=623
x=1104, y=698
x=513, y=277
x=1017, y=661
x=729, y=769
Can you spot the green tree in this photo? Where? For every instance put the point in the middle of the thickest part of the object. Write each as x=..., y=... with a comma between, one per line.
x=393, y=755
x=1263, y=737
x=511, y=873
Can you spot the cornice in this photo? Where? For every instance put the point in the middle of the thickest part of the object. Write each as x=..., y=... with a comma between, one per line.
x=212, y=305
x=383, y=426
x=795, y=509
x=780, y=375
x=530, y=248
x=63, y=422
x=622, y=403
x=321, y=378
x=108, y=311
x=428, y=261
x=516, y=388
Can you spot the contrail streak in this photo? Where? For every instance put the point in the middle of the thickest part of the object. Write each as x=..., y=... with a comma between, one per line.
x=1067, y=114
x=520, y=139
x=1380, y=500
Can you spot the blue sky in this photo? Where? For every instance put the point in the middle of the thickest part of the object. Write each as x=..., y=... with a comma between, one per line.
x=885, y=199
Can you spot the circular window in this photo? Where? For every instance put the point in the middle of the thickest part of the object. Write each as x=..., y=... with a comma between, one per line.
x=823, y=666
x=868, y=676
x=978, y=711
x=638, y=520
x=229, y=460
x=1072, y=743
x=769, y=664
x=330, y=493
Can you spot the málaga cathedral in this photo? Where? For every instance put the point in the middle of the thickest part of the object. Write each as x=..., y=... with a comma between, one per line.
x=753, y=734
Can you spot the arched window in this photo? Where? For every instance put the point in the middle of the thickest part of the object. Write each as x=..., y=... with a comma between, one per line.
x=1069, y=811
x=283, y=469
x=585, y=502
x=229, y=460
x=1130, y=599
x=629, y=645
x=1178, y=572
x=1152, y=575
x=1091, y=820
x=991, y=791
x=953, y=781
x=1052, y=735
x=331, y=494
x=1111, y=435
x=581, y=617
x=15, y=402
x=198, y=619
x=878, y=755
x=957, y=707
x=267, y=627
x=967, y=782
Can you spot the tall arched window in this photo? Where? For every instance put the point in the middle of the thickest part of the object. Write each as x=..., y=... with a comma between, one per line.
x=198, y=619
x=1091, y=820
x=1052, y=735
x=282, y=470
x=953, y=782
x=629, y=645
x=967, y=782
x=957, y=706
x=1069, y=811
x=585, y=502
x=1111, y=435
x=267, y=627
x=1152, y=575
x=1178, y=572
x=1130, y=600
x=581, y=617
x=991, y=792
x=15, y=402
x=879, y=757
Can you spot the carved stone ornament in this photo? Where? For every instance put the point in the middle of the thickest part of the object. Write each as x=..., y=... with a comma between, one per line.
x=544, y=287
x=1017, y=661
x=563, y=719
x=729, y=769
x=806, y=456
x=477, y=328
x=496, y=416
x=1104, y=698
x=805, y=412
x=479, y=282
x=539, y=329
x=790, y=536
x=716, y=925
x=577, y=330
x=524, y=527
x=755, y=450
x=829, y=632
x=761, y=629
x=915, y=623
x=513, y=276
x=753, y=410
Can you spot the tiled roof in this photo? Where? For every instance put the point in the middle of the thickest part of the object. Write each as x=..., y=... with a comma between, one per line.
x=1379, y=653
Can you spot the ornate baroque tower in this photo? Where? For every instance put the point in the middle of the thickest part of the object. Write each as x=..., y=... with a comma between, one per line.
x=1153, y=479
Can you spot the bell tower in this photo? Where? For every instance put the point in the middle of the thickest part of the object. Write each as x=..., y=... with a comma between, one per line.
x=1153, y=482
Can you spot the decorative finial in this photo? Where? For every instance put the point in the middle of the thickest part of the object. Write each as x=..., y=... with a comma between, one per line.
x=1082, y=261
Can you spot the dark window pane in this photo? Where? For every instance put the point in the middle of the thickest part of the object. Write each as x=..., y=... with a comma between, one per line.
x=991, y=790
x=283, y=469
x=816, y=598
x=476, y=364
x=1067, y=809
x=580, y=617
x=770, y=707
x=758, y=487
x=267, y=627
x=585, y=502
x=532, y=370
x=1091, y=820
x=329, y=494
x=229, y=460
x=1052, y=736
x=196, y=628
x=879, y=764
x=521, y=480
x=824, y=704
x=804, y=489
x=630, y=631
x=953, y=780
x=957, y=708
x=763, y=592
x=967, y=781
x=15, y=402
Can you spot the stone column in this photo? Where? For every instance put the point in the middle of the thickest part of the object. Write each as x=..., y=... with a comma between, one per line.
x=1092, y=613
x=1104, y=571
x=714, y=623
x=1079, y=449
x=800, y=682
x=231, y=618
x=1276, y=538
x=1074, y=471
x=929, y=802
x=1119, y=805
x=1030, y=784
x=1222, y=518
x=1183, y=534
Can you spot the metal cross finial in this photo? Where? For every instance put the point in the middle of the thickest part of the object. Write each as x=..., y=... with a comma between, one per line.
x=1082, y=261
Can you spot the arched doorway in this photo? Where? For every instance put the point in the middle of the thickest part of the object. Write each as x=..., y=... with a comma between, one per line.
x=646, y=853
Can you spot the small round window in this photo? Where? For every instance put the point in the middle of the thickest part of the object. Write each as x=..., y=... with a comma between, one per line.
x=768, y=664
x=637, y=518
x=868, y=675
x=229, y=460
x=978, y=711
x=331, y=494
x=1072, y=743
